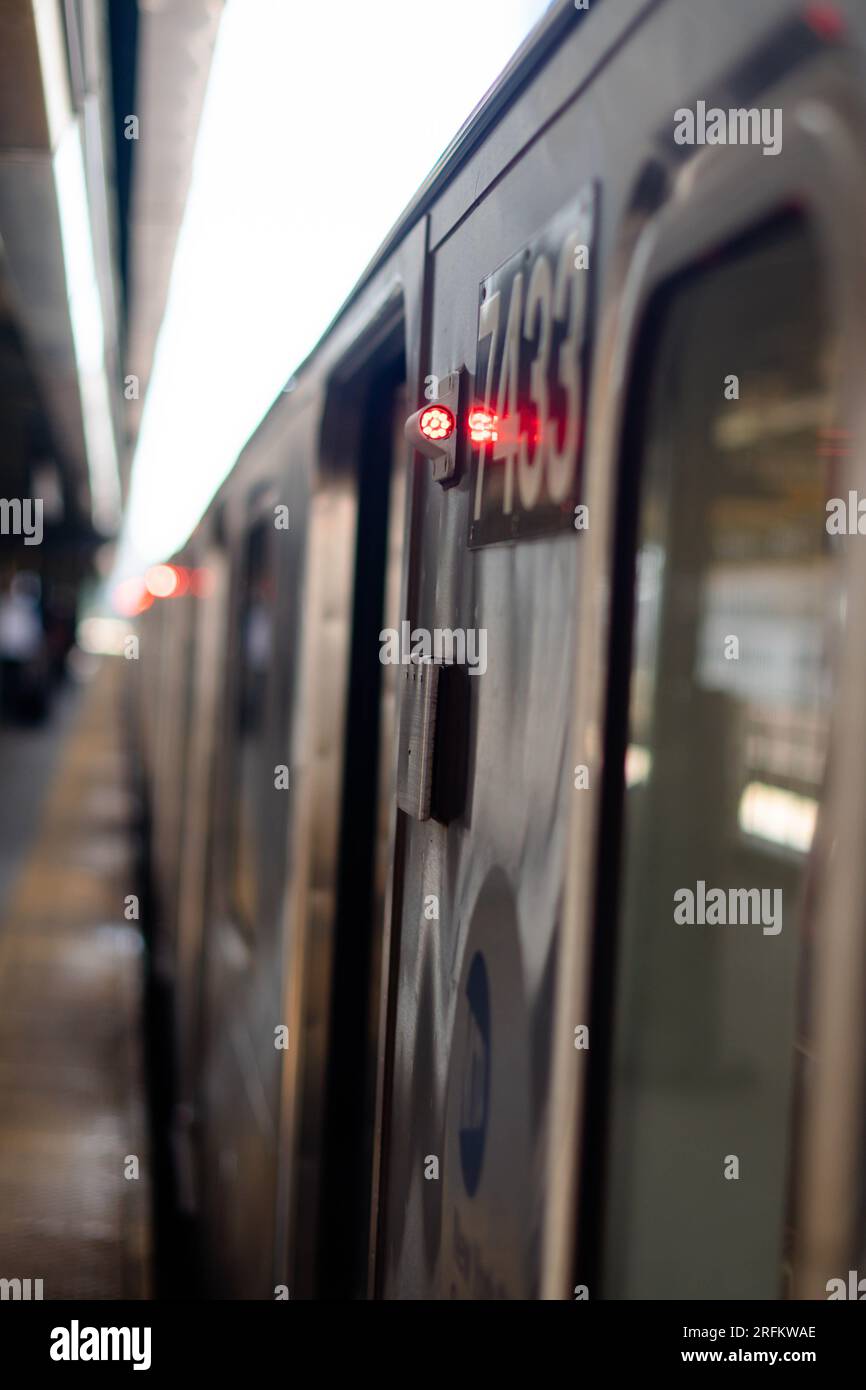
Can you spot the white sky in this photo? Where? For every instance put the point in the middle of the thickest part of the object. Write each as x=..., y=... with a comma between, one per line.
x=320, y=121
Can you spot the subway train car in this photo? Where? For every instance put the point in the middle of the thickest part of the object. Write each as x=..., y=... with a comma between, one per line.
x=503, y=744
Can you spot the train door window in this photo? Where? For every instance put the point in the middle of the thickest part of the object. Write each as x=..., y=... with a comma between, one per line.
x=734, y=612
x=253, y=761
x=366, y=804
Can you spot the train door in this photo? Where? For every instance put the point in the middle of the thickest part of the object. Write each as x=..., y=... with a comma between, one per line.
x=175, y=820
x=343, y=758
x=364, y=837
x=177, y=655
x=210, y=616
x=486, y=653
x=724, y=1084
x=242, y=942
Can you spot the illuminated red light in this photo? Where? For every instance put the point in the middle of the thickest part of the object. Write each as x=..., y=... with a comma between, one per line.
x=162, y=581
x=826, y=21
x=483, y=426
x=437, y=422
x=184, y=581
x=130, y=597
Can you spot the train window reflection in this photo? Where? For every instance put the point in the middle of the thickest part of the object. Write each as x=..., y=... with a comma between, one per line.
x=254, y=765
x=736, y=607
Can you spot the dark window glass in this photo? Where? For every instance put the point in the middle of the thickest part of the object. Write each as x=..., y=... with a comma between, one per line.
x=736, y=611
x=254, y=784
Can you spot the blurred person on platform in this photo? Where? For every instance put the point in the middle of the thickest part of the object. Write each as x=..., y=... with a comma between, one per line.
x=23, y=685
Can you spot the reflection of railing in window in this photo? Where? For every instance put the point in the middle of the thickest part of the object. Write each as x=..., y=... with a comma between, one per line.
x=778, y=613
x=785, y=745
x=783, y=768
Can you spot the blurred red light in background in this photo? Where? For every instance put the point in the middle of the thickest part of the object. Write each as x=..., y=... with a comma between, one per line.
x=130, y=597
x=826, y=21
x=184, y=581
x=482, y=426
x=162, y=581
x=437, y=422
x=201, y=583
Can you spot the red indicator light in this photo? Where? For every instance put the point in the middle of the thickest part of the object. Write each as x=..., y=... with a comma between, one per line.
x=131, y=597
x=161, y=581
x=483, y=426
x=436, y=422
x=826, y=21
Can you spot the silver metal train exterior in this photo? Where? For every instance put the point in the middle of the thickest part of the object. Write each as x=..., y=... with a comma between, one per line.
x=508, y=1071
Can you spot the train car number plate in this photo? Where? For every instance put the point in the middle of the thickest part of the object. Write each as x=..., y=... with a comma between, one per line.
x=527, y=423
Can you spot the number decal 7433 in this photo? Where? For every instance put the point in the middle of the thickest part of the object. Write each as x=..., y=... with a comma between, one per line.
x=530, y=380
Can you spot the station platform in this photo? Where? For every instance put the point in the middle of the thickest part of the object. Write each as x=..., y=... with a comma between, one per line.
x=72, y=1087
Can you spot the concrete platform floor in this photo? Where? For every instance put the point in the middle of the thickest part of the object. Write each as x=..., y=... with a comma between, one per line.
x=72, y=1098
